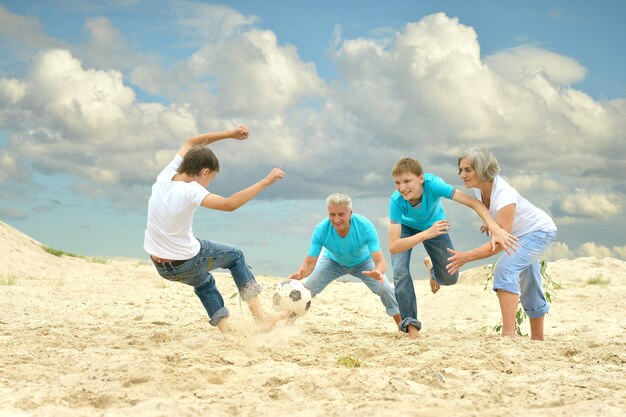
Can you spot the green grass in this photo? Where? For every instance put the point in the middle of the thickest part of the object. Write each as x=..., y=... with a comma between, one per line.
x=98, y=260
x=349, y=362
x=6, y=280
x=598, y=280
x=59, y=253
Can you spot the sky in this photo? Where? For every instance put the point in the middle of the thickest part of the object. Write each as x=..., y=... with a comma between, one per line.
x=96, y=97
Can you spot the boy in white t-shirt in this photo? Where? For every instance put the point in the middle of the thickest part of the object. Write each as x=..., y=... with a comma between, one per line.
x=177, y=255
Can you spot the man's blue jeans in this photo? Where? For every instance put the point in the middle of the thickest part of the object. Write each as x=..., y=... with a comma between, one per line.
x=195, y=272
x=405, y=291
x=326, y=271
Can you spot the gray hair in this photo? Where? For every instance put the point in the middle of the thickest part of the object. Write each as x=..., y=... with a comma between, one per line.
x=482, y=161
x=339, y=199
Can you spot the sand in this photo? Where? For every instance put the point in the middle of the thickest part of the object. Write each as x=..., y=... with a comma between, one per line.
x=79, y=337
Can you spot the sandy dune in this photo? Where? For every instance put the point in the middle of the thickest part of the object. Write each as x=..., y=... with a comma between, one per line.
x=82, y=338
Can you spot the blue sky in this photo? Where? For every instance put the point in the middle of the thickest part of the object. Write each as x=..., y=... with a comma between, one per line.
x=95, y=99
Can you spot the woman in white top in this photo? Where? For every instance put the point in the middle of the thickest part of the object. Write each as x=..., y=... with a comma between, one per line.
x=516, y=276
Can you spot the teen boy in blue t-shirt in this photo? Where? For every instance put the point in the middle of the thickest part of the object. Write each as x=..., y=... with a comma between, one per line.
x=416, y=216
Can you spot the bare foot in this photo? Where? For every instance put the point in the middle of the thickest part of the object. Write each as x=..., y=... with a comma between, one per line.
x=434, y=287
x=224, y=326
x=413, y=332
x=266, y=321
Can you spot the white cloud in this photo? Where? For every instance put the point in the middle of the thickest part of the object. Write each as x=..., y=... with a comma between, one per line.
x=590, y=205
x=86, y=122
x=210, y=22
x=525, y=61
x=561, y=250
x=11, y=91
x=253, y=76
x=593, y=249
x=383, y=221
x=558, y=251
x=619, y=252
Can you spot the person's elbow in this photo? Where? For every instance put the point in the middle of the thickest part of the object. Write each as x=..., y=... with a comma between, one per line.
x=394, y=249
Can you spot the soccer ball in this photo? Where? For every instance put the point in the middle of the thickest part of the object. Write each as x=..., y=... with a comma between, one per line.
x=292, y=295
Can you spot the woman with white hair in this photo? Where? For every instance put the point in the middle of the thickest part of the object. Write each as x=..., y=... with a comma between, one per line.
x=517, y=277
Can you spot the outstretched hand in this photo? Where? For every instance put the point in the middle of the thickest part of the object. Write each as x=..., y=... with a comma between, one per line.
x=503, y=238
x=374, y=273
x=297, y=275
x=241, y=132
x=456, y=261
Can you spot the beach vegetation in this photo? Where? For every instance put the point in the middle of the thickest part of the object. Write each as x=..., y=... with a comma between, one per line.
x=349, y=361
x=598, y=280
x=6, y=280
x=59, y=253
x=98, y=260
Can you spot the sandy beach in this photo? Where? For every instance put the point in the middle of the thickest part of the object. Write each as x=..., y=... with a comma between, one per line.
x=94, y=337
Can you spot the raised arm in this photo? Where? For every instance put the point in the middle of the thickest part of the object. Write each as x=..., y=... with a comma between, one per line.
x=240, y=133
x=504, y=218
x=217, y=202
x=499, y=236
x=305, y=269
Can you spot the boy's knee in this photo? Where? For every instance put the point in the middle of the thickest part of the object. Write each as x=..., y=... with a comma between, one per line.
x=444, y=278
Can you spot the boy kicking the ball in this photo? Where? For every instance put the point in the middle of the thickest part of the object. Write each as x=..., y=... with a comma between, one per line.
x=177, y=255
x=351, y=246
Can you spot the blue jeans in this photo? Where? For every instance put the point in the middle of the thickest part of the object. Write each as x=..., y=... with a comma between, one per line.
x=436, y=248
x=520, y=273
x=326, y=271
x=195, y=272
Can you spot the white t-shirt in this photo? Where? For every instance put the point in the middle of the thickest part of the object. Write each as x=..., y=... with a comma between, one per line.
x=528, y=218
x=170, y=215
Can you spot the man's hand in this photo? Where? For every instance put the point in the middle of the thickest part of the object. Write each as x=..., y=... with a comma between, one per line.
x=241, y=132
x=297, y=275
x=374, y=273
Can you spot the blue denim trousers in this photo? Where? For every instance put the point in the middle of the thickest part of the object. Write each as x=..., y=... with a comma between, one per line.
x=520, y=273
x=405, y=291
x=196, y=272
x=326, y=271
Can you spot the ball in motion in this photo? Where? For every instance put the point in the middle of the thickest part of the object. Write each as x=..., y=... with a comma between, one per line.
x=292, y=295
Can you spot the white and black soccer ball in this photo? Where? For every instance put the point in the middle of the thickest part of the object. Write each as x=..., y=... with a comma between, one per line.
x=293, y=296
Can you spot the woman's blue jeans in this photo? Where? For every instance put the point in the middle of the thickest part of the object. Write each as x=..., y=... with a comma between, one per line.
x=196, y=272
x=520, y=272
x=437, y=249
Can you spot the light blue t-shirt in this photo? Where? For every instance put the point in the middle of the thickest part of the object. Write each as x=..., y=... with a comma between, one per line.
x=349, y=251
x=428, y=211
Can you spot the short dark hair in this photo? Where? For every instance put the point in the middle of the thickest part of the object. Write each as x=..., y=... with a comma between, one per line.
x=198, y=158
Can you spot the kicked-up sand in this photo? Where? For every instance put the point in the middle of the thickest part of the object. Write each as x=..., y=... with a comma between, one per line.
x=91, y=337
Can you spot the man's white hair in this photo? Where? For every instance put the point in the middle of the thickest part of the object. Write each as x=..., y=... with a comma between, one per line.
x=339, y=199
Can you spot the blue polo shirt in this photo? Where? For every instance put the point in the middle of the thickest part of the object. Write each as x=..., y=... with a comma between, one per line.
x=348, y=251
x=428, y=211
